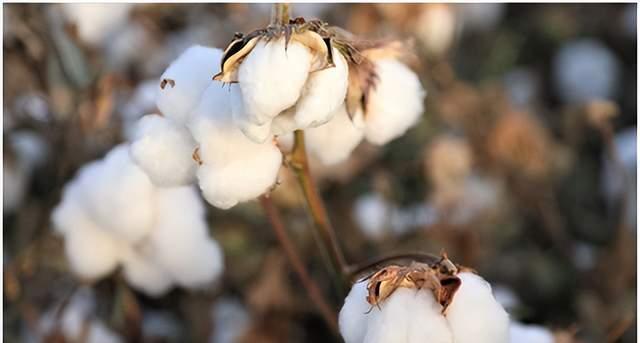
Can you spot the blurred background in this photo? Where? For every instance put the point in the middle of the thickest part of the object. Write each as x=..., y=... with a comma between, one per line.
x=523, y=167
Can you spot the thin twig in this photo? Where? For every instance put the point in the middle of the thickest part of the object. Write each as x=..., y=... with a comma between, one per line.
x=296, y=262
x=300, y=166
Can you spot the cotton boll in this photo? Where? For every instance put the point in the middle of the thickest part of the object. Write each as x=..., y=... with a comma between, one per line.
x=15, y=180
x=614, y=182
x=334, y=141
x=371, y=212
x=395, y=104
x=234, y=169
x=354, y=314
x=436, y=27
x=100, y=333
x=187, y=78
x=585, y=69
x=144, y=274
x=31, y=151
x=230, y=321
x=180, y=241
x=408, y=316
x=164, y=150
x=323, y=94
x=267, y=63
x=96, y=22
x=119, y=195
x=474, y=315
x=520, y=333
x=481, y=16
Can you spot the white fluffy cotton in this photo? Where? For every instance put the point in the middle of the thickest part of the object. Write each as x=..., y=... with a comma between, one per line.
x=521, y=333
x=164, y=150
x=172, y=247
x=585, y=69
x=334, y=141
x=188, y=77
x=271, y=78
x=96, y=22
x=235, y=169
x=395, y=104
x=230, y=321
x=323, y=93
x=411, y=315
x=474, y=315
x=436, y=27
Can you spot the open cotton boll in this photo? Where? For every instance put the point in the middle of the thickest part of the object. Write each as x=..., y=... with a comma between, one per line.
x=474, y=315
x=144, y=274
x=234, y=168
x=520, y=333
x=266, y=64
x=334, y=141
x=180, y=240
x=78, y=313
x=585, y=69
x=323, y=93
x=408, y=316
x=354, y=314
x=164, y=150
x=186, y=79
x=371, y=212
x=119, y=195
x=436, y=27
x=96, y=22
x=395, y=104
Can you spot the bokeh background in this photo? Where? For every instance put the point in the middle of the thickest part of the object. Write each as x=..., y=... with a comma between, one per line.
x=523, y=166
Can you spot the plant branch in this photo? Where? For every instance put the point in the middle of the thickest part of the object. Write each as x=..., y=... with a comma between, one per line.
x=280, y=14
x=296, y=262
x=300, y=166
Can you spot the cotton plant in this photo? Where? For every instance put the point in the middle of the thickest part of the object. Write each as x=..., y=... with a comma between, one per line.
x=423, y=302
x=222, y=119
x=112, y=215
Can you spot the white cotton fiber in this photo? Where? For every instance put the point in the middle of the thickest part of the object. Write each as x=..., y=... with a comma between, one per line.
x=474, y=314
x=353, y=317
x=323, y=93
x=97, y=22
x=520, y=333
x=119, y=195
x=395, y=104
x=371, y=212
x=180, y=241
x=234, y=169
x=186, y=79
x=144, y=273
x=258, y=133
x=164, y=150
x=334, y=141
x=408, y=316
x=271, y=78
x=585, y=69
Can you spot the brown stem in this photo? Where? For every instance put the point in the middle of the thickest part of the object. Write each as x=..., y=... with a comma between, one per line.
x=300, y=166
x=280, y=13
x=296, y=262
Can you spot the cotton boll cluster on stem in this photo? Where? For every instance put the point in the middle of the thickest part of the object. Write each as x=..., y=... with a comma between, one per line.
x=111, y=215
x=437, y=302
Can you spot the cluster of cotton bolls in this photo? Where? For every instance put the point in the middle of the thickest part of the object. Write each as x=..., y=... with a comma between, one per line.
x=228, y=134
x=413, y=315
x=112, y=215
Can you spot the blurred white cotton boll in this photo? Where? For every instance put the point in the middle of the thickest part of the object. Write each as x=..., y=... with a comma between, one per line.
x=230, y=321
x=520, y=333
x=371, y=212
x=408, y=316
x=97, y=22
x=92, y=253
x=395, y=104
x=160, y=326
x=119, y=195
x=323, y=93
x=258, y=133
x=354, y=314
x=585, y=69
x=522, y=86
x=436, y=27
x=164, y=150
x=480, y=16
x=30, y=151
x=617, y=182
x=474, y=315
x=145, y=274
x=271, y=78
x=180, y=240
x=234, y=168
x=334, y=141
x=186, y=80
